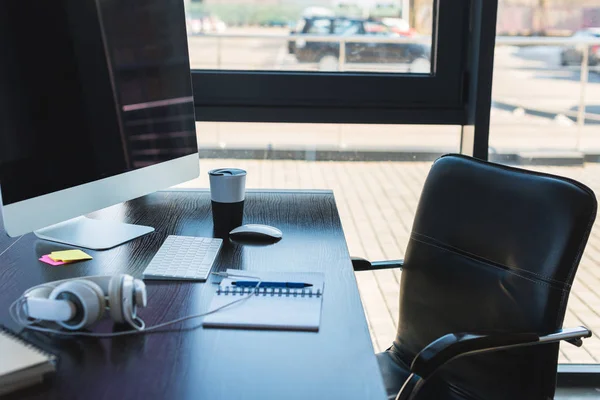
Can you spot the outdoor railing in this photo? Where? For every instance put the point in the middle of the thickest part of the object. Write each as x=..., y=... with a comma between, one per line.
x=583, y=44
x=342, y=40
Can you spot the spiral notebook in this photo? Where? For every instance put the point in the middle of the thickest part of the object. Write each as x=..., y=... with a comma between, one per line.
x=22, y=364
x=269, y=308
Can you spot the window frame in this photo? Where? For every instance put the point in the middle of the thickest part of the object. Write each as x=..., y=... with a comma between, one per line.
x=578, y=376
x=346, y=97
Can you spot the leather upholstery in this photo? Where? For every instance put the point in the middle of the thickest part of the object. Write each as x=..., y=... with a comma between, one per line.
x=492, y=249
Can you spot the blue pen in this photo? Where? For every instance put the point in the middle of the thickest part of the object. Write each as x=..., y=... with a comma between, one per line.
x=291, y=285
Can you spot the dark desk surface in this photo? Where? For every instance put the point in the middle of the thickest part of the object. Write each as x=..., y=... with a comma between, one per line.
x=196, y=363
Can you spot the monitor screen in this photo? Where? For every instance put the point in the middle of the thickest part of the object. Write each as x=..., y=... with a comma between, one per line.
x=90, y=89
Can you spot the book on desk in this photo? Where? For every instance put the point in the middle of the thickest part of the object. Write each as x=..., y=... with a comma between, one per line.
x=22, y=364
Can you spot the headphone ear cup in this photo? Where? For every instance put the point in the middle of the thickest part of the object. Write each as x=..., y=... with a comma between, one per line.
x=88, y=299
x=115, y=298
x=141, y=296
x=128, y=300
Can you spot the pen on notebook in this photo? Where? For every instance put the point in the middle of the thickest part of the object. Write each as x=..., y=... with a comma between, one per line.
x=292, y=285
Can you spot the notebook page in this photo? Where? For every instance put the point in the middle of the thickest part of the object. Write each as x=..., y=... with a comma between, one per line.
x=270, y=310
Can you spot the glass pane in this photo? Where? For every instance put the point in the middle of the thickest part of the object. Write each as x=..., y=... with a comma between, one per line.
x=365, y=36
x=545, y=119
x=352, y=160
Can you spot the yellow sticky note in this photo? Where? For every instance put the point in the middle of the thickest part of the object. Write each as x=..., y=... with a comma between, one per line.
x=69, y=255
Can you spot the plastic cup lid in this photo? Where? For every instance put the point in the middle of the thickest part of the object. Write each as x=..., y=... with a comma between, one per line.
x=227, y=172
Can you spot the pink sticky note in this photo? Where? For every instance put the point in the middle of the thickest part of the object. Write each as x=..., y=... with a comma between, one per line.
x=50, y=261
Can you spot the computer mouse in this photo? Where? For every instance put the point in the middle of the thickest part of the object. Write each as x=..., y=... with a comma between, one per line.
x=256, y=232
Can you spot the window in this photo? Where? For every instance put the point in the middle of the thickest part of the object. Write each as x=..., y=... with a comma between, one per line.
x=367, y=87
x=319, y=27
x=347, y=27
x=337, y=64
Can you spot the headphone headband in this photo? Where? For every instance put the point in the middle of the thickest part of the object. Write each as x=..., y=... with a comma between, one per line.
x=100, y=280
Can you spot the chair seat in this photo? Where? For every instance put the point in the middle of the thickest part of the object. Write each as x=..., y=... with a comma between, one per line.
x=395, y=374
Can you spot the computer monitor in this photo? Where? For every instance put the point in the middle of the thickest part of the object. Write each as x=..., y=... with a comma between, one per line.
x=96, y=108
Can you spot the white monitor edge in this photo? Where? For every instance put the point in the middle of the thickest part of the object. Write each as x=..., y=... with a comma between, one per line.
x=39, y=212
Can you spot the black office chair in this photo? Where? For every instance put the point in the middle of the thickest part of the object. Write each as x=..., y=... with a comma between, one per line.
x=485, y=283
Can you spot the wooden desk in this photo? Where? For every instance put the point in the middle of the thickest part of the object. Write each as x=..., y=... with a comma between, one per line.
x=190, y=362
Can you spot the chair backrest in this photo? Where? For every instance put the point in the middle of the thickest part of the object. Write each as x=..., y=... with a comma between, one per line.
x=493, y=249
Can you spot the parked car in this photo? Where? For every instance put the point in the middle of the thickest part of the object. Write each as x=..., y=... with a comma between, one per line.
x=573, y=55
x=326, y=54
x=399, y=26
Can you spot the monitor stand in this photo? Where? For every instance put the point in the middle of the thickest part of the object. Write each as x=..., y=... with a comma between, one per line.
x=92, y=233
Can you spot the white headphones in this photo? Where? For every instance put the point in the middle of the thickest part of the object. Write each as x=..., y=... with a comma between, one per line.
x=78, y=303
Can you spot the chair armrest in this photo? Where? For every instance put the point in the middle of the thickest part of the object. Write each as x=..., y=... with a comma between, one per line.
x=360, y=264
x=455, y=345
x=574, y=336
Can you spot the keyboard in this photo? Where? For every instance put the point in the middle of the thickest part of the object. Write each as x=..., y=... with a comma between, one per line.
x=184, y=258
